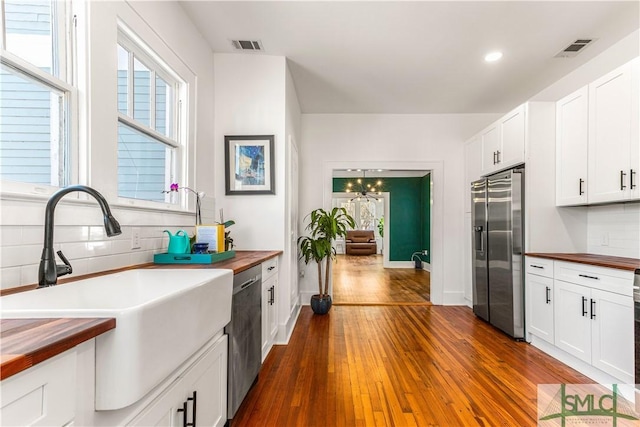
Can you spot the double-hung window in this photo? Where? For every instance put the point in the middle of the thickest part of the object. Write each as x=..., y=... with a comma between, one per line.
x=150, y=149
x=37, y=96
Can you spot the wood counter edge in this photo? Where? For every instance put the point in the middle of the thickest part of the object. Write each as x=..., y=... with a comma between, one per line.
x=608, y=261
x=60, y=339
x=238, y=264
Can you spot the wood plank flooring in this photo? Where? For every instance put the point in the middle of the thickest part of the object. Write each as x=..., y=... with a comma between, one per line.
x=363, y=280
x=399, y=366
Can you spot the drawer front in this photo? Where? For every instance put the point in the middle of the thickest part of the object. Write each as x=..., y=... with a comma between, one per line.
x=606, y=279
x=539, y=266
x=269, y=268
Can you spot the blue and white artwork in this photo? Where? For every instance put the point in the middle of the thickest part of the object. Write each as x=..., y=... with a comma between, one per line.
x=250, y=164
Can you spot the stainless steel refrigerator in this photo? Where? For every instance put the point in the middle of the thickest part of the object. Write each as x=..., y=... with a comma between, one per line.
x=498, y=236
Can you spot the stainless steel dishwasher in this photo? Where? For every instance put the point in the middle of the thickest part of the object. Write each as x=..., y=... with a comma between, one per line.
x=245, y=336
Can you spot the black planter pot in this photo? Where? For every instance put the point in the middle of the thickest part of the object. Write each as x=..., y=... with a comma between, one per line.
x=321, y=305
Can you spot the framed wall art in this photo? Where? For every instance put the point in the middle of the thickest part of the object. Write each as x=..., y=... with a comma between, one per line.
x=249, y=164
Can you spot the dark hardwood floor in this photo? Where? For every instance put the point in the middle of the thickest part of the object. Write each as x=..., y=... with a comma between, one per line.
x=363, y=280
x=399, y=366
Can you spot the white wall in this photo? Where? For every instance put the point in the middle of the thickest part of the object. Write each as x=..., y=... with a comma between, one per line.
x=255, y=95
x=250, y=100
x=79, y=231
x=370, y=139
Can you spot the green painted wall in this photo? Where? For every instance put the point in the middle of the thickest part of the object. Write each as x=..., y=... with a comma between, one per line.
x=408, y=213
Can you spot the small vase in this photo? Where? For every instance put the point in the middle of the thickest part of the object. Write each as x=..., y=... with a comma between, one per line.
x=321, y=304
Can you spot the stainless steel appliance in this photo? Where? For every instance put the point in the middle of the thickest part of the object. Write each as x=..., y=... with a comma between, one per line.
x=245, y=337
x=498, y=237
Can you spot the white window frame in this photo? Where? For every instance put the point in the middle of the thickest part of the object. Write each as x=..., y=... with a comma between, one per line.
x=64, y=62
x=178, y=137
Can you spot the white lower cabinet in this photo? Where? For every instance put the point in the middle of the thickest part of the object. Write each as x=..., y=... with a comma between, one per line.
x=572, y=322
x=43, y=395
x=269, y=305
x=585, y=311
x=540, y=306
x=198, y=397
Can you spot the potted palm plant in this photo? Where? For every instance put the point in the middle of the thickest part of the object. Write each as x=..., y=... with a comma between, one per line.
x=324, y=227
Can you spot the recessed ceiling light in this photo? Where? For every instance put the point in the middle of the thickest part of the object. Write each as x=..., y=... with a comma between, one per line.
x=492, y=56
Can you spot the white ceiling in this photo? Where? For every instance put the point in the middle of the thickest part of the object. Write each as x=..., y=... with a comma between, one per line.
x=417, y=56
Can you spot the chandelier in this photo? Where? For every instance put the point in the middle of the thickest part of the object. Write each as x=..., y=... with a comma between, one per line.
x=364, y=190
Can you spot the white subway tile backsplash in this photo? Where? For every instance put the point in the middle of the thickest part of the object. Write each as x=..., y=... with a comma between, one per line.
x=29, y=274
x=11, y=236
x=13, y=256
x=10, y=277
x=614, y=230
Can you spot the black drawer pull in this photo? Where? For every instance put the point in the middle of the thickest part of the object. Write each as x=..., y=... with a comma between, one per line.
x=584, y=307
x=593, y=309
x=184, y=413
x=536, y=266
x=622, y=175
x=271, y=268
x=589, y=277
x=632, y=185
x=548, y=292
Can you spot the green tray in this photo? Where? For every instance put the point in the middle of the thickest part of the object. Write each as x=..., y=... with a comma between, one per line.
x=192, y=258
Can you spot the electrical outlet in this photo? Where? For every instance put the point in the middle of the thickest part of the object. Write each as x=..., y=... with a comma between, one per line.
x=135, y=238
x=301, y=273
x=425, y=252
x=604, y=239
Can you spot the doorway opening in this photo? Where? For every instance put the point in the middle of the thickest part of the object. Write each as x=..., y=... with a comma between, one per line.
x=397, y=219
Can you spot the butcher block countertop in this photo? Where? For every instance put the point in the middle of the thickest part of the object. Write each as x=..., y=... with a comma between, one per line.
x=27, y=342
x=592, y=259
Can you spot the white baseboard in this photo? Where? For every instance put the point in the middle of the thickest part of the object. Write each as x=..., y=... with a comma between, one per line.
x=400, y=264
x=426, y=266
x=584, y=368
x=285, y=331
x=453, y=298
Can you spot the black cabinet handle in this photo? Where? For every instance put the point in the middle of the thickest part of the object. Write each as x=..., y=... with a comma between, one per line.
x=498, y=156
x=548, y=291
x=584, y=307
x=494, y=157
x=536, y=266
x=184, y=413
x=193, y=410
x=632, y=185
x=271, y=268
x=593, y=309
x=622, y=175
x=272, y=295
x=581, y=191
x=589, y=277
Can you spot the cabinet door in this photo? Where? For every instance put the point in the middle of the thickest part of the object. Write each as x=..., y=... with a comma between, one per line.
x=512, y=133
x=571, y=148
x=572, y=328
x=208, y=378
x=473, y=167
x=273, y=313
x=266, y=294
x=540, y=306
x=163, y=411
x=612, y=334
x=634, y=171
x=610, y=109
x=490, y=140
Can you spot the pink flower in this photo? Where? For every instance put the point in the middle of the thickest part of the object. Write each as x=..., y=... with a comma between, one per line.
x=174, y=186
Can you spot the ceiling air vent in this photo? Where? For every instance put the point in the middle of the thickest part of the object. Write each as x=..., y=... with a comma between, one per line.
x=250, y=45
x=574, y=48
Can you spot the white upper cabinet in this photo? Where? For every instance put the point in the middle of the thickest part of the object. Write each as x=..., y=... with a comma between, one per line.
x=612, y=143
x=571, y=148
x=503, y=142
x=512, y=130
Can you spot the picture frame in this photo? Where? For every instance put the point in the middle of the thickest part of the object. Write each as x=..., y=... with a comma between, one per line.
x=249, y=164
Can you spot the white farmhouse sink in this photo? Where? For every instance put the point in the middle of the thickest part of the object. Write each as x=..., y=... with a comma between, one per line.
x=162, y=318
